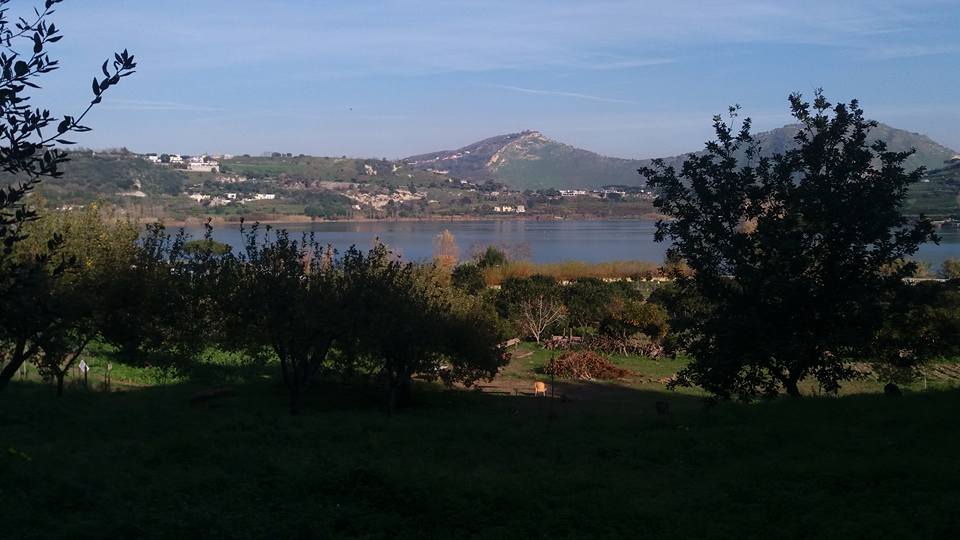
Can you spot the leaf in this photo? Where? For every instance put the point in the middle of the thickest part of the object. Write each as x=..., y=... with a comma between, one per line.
x=21, y=68
x=37, y=44
x=104, y=69
x=64, y=141
x=96, y=87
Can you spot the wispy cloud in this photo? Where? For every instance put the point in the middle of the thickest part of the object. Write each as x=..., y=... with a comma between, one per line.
x=910, y=51
x=575, y=95
x=147, y=105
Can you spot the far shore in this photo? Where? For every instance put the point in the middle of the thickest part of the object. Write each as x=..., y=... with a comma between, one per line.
x=304, y=219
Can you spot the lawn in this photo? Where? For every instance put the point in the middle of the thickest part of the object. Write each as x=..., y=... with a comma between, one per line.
x=146, y=463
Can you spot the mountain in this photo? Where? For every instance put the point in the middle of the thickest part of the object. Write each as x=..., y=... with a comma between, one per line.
x=938, y=194
x=530, y=160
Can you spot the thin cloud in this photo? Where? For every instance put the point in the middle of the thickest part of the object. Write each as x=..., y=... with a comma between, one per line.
x=575, y=95
x=146, y=105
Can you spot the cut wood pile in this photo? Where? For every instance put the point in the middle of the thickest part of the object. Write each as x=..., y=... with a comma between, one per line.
x=585, y=365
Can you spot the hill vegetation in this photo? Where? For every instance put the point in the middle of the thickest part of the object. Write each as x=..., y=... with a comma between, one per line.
x=530, y=160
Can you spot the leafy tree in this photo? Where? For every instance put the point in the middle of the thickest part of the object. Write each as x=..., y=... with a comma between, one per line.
x=515, y=291
x=28, y=155
x=588, y=301
x=789, y=252
x=210, y=246
x=628, y=319
x=924, y=324
x=287, y=295
x=70, y=308
x=950, y=269
x=405, y=323
x=491, y=257
x=468, y=277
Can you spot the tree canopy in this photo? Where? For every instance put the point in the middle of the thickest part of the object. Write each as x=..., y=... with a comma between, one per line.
x=791, y=253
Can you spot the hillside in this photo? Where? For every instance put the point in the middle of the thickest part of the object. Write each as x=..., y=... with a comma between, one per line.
x=929, y=153
x=307, y=171
x=89, y=176
x=938, y=195
x=530, y=160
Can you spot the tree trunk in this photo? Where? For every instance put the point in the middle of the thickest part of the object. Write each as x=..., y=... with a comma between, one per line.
x=60, y=376
x=10, y=370
x=790, y=385
x=296, y=399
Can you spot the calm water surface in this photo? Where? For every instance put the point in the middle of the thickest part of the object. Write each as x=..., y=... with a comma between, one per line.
x=540, y=241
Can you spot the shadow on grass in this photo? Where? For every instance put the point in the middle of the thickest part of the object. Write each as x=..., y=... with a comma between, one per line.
x=150, y=463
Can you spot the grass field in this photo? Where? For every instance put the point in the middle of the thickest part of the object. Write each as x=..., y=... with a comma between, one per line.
x=145, y=463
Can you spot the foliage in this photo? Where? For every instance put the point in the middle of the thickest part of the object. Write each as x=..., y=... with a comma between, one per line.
x=69, y=310
x=572, y=270
x=925, y=324
x=206, y=246
x=491, y=257
x=405, y=323
x=788, y=251
x=446, y=254
x=287, y=295
x=468, y=277
x=950, y=269
x=28, y=155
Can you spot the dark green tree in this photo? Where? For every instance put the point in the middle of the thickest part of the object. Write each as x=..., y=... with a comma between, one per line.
x=468, y=277
x=27, y=155
x=788, y=251
x=404, y=322
x=288, y=296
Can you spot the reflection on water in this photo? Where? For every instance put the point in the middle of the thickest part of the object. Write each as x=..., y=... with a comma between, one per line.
x=540, y=241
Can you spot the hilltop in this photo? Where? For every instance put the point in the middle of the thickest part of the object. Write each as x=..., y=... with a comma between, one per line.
x=530, y=160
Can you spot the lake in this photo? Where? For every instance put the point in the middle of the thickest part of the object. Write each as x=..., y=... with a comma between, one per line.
x=539, y=241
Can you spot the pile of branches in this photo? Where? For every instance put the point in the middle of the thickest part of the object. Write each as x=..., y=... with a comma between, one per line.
x=563, y=342
x=638, y=345
x=585, y=365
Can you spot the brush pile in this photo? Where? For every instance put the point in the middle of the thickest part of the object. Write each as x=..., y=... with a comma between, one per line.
x=585, y=365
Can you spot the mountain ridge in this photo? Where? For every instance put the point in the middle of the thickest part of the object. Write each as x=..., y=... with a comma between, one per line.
x=530, y=160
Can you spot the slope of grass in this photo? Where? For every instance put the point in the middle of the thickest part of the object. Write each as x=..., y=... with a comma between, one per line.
x=146, y=464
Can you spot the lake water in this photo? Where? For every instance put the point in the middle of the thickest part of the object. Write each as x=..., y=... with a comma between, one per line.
x=539, y=241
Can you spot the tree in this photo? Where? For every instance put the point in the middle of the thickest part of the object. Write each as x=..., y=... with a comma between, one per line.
x=28, y=155
x=286, y=295
x=588, y=301
x=405, y=322
x=789, y=252
x=536, y=315
x=468, y=277
x=950, y=269
x=634, y=324
x=70, y=305
x=446, y=253
x=491, y=257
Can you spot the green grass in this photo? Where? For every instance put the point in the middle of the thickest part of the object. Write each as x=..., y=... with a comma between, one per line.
x=145, y=463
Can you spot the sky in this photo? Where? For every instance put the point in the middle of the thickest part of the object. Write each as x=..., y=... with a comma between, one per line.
x=395, y=78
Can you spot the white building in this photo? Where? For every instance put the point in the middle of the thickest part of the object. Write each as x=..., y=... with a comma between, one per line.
x=264, y=196
x=152, y=158
x=521, y=209
x=199, y=166
x=176, y=158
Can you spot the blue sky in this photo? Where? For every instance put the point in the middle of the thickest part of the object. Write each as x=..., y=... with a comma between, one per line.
x=389, y=79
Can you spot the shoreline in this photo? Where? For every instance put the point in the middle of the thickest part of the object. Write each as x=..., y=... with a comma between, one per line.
x=304, y=219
